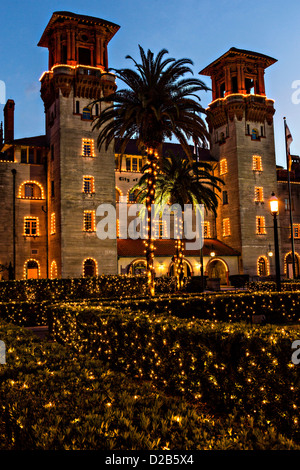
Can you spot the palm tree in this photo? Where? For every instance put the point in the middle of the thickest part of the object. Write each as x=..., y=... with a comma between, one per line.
x=158, y=103
x=180, y=182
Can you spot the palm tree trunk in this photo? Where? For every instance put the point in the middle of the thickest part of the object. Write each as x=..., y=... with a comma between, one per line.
x=151, y=181
x=179, y=273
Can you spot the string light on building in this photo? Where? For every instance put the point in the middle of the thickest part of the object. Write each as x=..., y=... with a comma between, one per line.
x=89, y=221
x=52, y=224
x=32, y=194
x=34, y=263
x=87, y=149
x=31, y=226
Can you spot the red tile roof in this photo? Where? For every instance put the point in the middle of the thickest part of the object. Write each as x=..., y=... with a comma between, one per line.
x=132, y=149
x=135, y=248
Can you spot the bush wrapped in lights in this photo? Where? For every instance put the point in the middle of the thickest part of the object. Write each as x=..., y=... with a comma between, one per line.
x=51, y=400
x=229, y=366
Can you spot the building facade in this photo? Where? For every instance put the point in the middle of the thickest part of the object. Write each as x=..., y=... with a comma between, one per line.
x=52, y=185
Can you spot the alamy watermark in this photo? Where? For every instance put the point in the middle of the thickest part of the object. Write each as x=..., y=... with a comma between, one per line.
x=2, y=92
x=296, y=93
x=187, y=222
x=2, y=352
x=296, y=354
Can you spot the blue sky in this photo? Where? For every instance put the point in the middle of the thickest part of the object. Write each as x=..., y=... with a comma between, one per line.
x=201, y=30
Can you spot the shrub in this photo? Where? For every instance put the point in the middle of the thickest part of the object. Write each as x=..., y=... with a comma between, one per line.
x=229, y=366
x=54, y=400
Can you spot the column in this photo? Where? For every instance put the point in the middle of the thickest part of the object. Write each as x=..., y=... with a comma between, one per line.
x=73, y=47
x=58, y=48
x=241, y=79
x=98, y=53
x=227, y=80
x=261, y=81
x=69, y=51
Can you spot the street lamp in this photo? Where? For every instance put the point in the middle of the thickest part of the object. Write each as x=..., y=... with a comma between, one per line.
x=275, y=211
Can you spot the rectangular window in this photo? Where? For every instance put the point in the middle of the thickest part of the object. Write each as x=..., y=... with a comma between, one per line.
x=88, y=148
x=259, y=194
x=296, y=230
x=260, y=225
x=287, y=204
x=134, y=164
x=89, y=221
x=52, y=189
x=52, y=224
x=23, y=155
x=28, y=190
x=38, y=156
x=206, y=230
x=226, y=227
x=223, y=166
x=225, y=197
x=256, y=163
x=52, y=152
x=31, y=226
x=88, y=185
x=31, y=155
x=160, y=228
x=77, y=109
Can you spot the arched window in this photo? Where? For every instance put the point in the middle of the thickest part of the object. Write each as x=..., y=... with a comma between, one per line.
x=118, y=194
x=288, y=264
x=86, y=113
x=262, y=266
x=53, y=270
x=90, y=267
x=132, y=195
x=31, y=190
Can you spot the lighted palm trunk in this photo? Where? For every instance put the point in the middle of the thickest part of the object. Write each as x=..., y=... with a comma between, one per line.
x=179, y=245
x=150, y=199
x=179, y=264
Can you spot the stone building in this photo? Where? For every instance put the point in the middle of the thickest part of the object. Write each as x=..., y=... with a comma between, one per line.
x=52, y=185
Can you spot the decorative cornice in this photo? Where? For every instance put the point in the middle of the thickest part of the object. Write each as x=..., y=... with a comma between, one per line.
x=86, y=83
x=253, y=108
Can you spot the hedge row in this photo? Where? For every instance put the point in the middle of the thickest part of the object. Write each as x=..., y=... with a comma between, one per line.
x=51, y=400
x=71, y=289
x=275, y=307
x=262, y=286
x=228, y=366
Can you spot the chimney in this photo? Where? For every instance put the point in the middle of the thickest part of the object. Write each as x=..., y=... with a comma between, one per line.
x=9, y=110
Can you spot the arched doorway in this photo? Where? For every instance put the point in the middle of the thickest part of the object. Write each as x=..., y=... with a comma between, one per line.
x=187, y=269
x=31, y=269
x=89, y=267
x=137, y=268
x=217, y=268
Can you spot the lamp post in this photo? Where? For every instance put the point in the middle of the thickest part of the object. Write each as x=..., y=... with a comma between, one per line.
x=274, y=211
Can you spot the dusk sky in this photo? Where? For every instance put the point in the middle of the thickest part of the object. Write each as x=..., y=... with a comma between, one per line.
x=201, y=30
